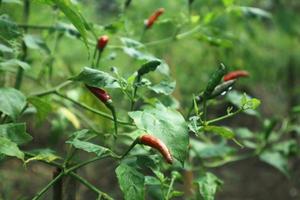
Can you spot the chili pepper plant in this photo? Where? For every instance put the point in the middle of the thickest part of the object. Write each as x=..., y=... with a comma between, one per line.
x=158, y=147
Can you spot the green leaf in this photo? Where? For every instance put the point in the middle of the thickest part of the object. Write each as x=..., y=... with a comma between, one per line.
x=222, y=131
x=128, y=42
x=12, y=102
x=215, y=41
x=131, y=182
x=74, y=16
x=205, y=150
x=252, y=11
x=5, y=49
x=89, y=147
x=148, y=67
x=42, y=106
x=164, y=87
x=16, y=132
x=228, y=2
x=296, y=109
x=8, y=29
x=46, y=155
x=208, y=186
x=134, y=53
x=276, y=160
x=12, y=1
x=96, y=78
x=9, y=148
x=166, y=124
x=35, y=42
x=244, y=133
x=81, y=134
x=14, y=63
x=247, y=103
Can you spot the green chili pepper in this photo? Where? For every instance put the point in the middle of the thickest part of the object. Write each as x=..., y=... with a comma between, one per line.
x=214, y=80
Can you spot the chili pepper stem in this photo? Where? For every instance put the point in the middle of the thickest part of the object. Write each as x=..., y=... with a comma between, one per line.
x=94, y=56
x=135, y=142
x=114, y=114
x=134, y=92
x=98, y=59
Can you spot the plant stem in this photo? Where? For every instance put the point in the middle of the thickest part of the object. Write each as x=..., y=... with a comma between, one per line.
x=170, y=187
x=103, y=114
x=45, y=27
x=90, y=186
x=94, y=56
x=52, y=182
x=134, y=92
x=204, y=110
x=79, y=165
x=114, y=114
x=52, y=90
x=53, y=163
x=98, y=59
x=224, y=117
x=20, y=72
x=130, y=148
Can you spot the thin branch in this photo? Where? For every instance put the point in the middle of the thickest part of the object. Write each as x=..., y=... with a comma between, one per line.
x=52, y=182
x=103, y=114
x=90, y=186
x=224, y=117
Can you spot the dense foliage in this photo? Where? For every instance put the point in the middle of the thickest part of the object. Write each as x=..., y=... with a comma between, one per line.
x=166, y=91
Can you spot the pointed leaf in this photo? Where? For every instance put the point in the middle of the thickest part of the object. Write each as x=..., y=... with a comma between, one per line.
x=89, y=147
x=96, y=78
x=277, y=160
x=166, y=124
x=9, y=148
x=16, y=132
x=131, y=182
x=164, y=87
x=222, y=131
x=208, y=186
x=12, y=101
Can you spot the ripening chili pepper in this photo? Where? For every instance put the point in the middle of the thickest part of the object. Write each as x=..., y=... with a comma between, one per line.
x=157, y=144
x=102, y=42
x=101, y=94
x=235, y=74
x=150, y=21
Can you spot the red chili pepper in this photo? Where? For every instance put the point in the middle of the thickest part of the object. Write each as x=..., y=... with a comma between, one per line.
x=102, y=42
x=101, y=94
x=157, y=144
x=150, y=21
x=235, y=74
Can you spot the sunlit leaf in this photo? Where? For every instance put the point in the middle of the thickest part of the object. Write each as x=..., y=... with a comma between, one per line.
x=96, y=78
x=166, y=124
x=9, y=148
